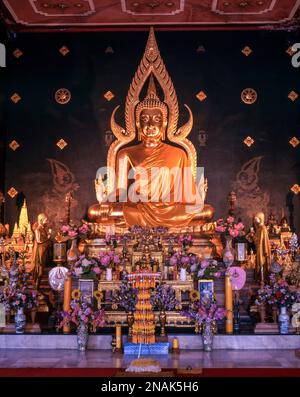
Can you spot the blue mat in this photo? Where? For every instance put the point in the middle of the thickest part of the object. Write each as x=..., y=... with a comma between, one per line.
x=145, y=349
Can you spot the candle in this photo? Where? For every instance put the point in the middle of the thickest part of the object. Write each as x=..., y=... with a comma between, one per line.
x=67, y=298
x=118, y=337
x=175, y=344
x=228, y=303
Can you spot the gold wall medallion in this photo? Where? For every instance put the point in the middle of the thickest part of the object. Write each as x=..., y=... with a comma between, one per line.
x=109, y=50
x=201, y=49
x=295, y=189
x=14, y=145
x=249, y=96
x=247, y=51
x=61, y=144
x=109, y=95
x=201, y=96
x=12, y=192
x=62, y=96
x=293, y=96
x=249, y=141
x=17, y=53
x=294, y=142
x=64, y=50
x=15, y=98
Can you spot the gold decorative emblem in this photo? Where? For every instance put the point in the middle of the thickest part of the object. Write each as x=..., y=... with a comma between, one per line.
x=14, y=145
x=249, y=141
x=293, y=96
x=64, y=50
x=295, y=189
x=61, y=144
x=109, y=96
x=109, y=50
x=201, y=96
x=249, y=96
x=247, y=51
x=12, y=192
x=62, y=96
x=201, y=49
x=290, y=51
x=294, y=141
x=15, y=98
x=17, y=53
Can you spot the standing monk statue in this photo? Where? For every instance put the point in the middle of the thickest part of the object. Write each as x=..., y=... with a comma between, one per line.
x=263, y=248
x=40, y=246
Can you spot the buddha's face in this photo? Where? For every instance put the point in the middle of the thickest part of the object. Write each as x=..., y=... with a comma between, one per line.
x=151, y=125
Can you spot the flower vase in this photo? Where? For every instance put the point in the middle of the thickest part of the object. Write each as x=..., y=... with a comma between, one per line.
x=163, y=320
x=20, y=321
x=228, y=253
x=109, y=275
x=82, y=336
x=182, y=276
x=73, y=252
x=284, y=321
x=207, y=336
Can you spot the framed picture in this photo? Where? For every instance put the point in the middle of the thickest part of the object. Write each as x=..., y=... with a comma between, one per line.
x=241, y=251
x=206, y=289
x=86, y=288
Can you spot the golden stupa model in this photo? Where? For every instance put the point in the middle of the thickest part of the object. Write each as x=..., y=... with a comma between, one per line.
x=161, y=146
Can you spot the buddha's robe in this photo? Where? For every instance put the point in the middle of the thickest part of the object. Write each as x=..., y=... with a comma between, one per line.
x=163, y=192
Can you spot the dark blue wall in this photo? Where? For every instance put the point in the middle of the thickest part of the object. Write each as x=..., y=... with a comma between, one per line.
x=222, y=71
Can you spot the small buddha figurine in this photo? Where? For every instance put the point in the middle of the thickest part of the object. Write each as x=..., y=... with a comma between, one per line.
x=263, y=248
x=41, y=246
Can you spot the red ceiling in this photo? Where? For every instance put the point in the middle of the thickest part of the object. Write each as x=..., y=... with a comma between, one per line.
x=35, y=14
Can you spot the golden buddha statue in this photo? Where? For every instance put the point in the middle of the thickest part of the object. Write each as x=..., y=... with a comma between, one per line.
x=165, y=191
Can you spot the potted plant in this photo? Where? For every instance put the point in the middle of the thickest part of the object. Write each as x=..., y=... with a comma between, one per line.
x=205, y=313
x=183, y=261
x=280, y=295
x=205, y=269
x=229, y=229
x=86, y=267
x=73, y=232
x=125, y=298
x=18, y=297
x=164, y=299
x=85, y=319
x=109, y=260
